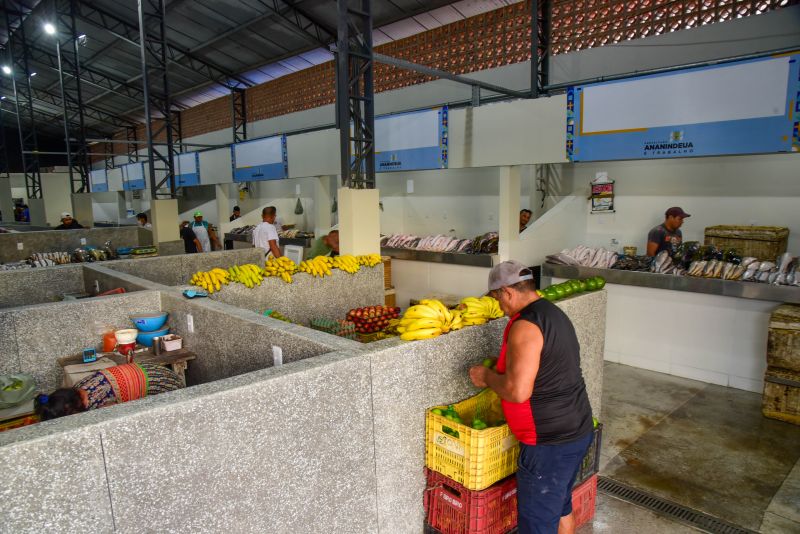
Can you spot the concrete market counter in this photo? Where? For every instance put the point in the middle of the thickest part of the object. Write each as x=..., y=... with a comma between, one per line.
x=694, y=284
x=330, y=442
x=69, y=240
x=655, y=325
x=471, y=260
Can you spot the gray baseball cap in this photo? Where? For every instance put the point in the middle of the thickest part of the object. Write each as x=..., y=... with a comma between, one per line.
x=507, y=274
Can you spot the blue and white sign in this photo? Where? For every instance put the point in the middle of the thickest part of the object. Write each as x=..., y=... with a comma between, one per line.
x=133, y=176
x=187, y=169
x=412, y=141
x=744, y=107
x=260, y=159
x=98, y=181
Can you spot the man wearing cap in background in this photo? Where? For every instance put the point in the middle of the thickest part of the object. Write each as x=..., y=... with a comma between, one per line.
x=68, y=223
x=667, y=235
x=205, y=235
x=544, y=399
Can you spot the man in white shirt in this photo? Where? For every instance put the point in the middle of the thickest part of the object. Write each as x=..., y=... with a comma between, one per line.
x=265, y=236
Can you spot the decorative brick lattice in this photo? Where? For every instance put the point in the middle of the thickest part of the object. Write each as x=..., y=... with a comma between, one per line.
x=580, y=24
x=486, y=41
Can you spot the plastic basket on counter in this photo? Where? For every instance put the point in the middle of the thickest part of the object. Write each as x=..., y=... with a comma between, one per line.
x=584, y=498
x=450, y=508
x=344, y=329
x=474, y=458
x=591, y=462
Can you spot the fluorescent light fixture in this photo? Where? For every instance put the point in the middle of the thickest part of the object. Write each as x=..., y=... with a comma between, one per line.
x=33, y=74
x=2, y=97
x=49, y=29
x=6, y=69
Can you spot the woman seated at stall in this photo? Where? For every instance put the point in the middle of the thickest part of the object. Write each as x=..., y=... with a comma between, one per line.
x=112, y=385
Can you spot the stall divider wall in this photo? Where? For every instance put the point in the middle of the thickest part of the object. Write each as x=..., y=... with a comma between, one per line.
x=337, y=436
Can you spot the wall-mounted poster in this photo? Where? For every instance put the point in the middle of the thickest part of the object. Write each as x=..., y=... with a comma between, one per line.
x=260, y=159
x=412, y=141
x=187, y=169
x=743, y=107
x=98, y=181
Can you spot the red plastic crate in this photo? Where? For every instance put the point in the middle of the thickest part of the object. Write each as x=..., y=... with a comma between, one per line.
x=453, y=509
x=583, y=501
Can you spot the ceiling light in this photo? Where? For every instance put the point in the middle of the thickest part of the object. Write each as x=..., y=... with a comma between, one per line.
x=6, y=69
x=49, y=29
x=2, y=97
x=33, y=74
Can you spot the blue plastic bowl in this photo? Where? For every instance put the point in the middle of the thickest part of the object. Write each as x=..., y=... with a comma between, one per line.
x=146, y=338
x=149, y=322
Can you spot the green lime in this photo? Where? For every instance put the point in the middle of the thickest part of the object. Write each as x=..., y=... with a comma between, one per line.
x=488, y=362
x=576, y=286
x=567, y=289
x=560, y=291
x=591, y=284
x=550, y=294
x=601, y=282
x=583, y=285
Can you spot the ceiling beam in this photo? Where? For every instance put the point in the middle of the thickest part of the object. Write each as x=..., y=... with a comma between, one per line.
x=129, y=32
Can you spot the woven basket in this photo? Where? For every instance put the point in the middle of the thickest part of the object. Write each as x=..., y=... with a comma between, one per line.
x=387, y=272
x=762, y=242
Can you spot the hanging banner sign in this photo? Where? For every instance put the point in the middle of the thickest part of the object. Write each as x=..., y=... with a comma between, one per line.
x=187, y=169
x=260, y=159
x=744, y=107
x=133, y=176
x=98, y=181
x=412, y=141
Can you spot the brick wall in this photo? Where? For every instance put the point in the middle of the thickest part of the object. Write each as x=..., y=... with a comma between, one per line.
x=486, y=41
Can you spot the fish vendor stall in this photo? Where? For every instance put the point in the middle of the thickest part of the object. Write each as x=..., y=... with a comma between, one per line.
x=702, y=313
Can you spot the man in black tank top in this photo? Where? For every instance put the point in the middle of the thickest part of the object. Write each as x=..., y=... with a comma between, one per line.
x=544, y=399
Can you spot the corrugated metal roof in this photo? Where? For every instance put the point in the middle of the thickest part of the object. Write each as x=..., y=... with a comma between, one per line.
x=247, y=38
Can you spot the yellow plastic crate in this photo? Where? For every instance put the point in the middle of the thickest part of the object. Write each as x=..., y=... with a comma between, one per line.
x=475, y=459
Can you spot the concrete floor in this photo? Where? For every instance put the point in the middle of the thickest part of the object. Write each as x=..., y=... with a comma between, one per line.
x=699, y=445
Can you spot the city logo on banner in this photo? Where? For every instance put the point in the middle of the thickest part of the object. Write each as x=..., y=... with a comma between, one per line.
x=675, y=145
x=393, y=162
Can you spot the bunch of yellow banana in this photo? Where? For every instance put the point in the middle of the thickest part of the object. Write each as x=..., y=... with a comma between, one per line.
x=428, y=319
x=346, y=263
x=316, y=267
x=369, y=260
x=476, y=311
x=249, y=274
x=211, y=280
x=282, y=267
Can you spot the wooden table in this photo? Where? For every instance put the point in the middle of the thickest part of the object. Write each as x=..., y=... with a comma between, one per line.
x=176, y=359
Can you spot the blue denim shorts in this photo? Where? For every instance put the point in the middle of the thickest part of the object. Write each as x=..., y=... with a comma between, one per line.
x=545, y=477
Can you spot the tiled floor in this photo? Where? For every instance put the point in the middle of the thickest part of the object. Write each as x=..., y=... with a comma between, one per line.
x=700, y=445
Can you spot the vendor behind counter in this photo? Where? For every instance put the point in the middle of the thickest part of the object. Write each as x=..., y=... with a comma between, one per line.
x=667, y=235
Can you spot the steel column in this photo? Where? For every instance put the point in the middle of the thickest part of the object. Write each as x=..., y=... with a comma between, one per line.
x=354, y=94
x=153, y=46
x=69, y=71
x=17, y=49
x=540, y=46
x=5, y=168
x=239, y=114
x=133, y=144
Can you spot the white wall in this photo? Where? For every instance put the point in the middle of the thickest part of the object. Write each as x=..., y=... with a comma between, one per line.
x=740, y=190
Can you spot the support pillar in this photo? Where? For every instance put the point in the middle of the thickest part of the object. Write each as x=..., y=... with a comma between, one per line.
x=509, y=212
x=359, y=221
x=82, y=209
x=322, y=205
x=6, y=205
x=164, y=215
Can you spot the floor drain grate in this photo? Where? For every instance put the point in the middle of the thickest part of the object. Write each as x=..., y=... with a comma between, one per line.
x=668, y=509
